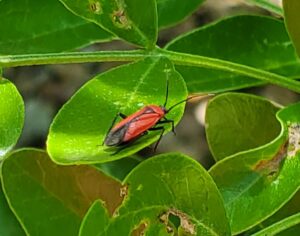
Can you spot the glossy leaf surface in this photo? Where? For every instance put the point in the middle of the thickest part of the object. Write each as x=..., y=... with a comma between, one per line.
x=182, y=188
x=132, y=20
x=77, y=133
x=245, y=40
x=11, y=116
x=32, y=26
x=233, y=123
x=292, y=21
x=248, y=179
x=48, y=198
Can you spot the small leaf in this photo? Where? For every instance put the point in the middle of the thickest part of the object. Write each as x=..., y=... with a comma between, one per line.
x=48, y=198
x=162, y=187
x=11, y=116
x=268, y=5
x=80, y=127
x=237, y=122
x=245, y=40
x=292, y=21
x=132, y=20
x=248, y=179
x=8, y=223
x=43, y=27
x=182, y=9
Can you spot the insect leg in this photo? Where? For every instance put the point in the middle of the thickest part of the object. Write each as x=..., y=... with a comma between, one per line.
x=160, y=136
x=165, y=121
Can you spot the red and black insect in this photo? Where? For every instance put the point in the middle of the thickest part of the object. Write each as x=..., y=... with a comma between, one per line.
x=149, y=118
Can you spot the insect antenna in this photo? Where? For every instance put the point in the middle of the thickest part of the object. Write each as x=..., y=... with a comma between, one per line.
x=167, y=91
x=187, y=99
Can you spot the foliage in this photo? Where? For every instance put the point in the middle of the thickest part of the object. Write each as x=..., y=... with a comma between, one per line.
x=78, y=186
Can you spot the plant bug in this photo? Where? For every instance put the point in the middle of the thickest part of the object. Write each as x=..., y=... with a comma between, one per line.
x=148, y=118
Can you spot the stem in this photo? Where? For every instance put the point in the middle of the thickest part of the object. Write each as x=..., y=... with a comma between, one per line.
x=280, y=226
x=207, y=62
x=134, y=55
x=70, y=57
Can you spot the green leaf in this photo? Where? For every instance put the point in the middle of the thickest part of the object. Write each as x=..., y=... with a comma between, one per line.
x=280, y=226
x=290, y=208
x=48, y=198
x=165, y=8
x=245, y=40
x=11, y=116
x=268, y=5
x=31, y=26
x=132, y=20
x=248, y=179
x=159, y=189
x=9, y=225
x=80, y=127
x=96, y=217
x=292, y=21
x=119, y=168
x=237, y=122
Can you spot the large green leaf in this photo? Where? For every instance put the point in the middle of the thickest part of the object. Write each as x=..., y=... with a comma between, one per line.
x=268, y=5
x=32, y=26
x=11, y=116
x=78, y=130
x=132, y=20
x=52, y=200
x=258, y=182
x=237, y=122
x=9, y=225
x=292, y=21
x=240, y=39
x=166, y=8
x=159, y=189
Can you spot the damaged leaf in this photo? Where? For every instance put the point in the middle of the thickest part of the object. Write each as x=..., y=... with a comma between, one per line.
x=248, y=179
x=47, y=198
x=127, y=19
x=165, y=186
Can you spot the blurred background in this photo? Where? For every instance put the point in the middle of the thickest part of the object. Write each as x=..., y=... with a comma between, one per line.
x=46, y=88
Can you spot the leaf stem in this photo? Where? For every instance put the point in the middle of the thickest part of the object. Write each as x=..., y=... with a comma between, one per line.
x=280, y=226
x=217, y=64
x=134, y=55
x=71, y=57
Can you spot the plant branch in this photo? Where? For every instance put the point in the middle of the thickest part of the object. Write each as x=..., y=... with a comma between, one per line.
x=133, y=55
x=70, y=57
x=217, y=64
x=280, y=226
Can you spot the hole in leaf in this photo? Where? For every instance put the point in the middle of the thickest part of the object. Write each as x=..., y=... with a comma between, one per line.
x=175, y=219
x=124, y=191
x=95, y=7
